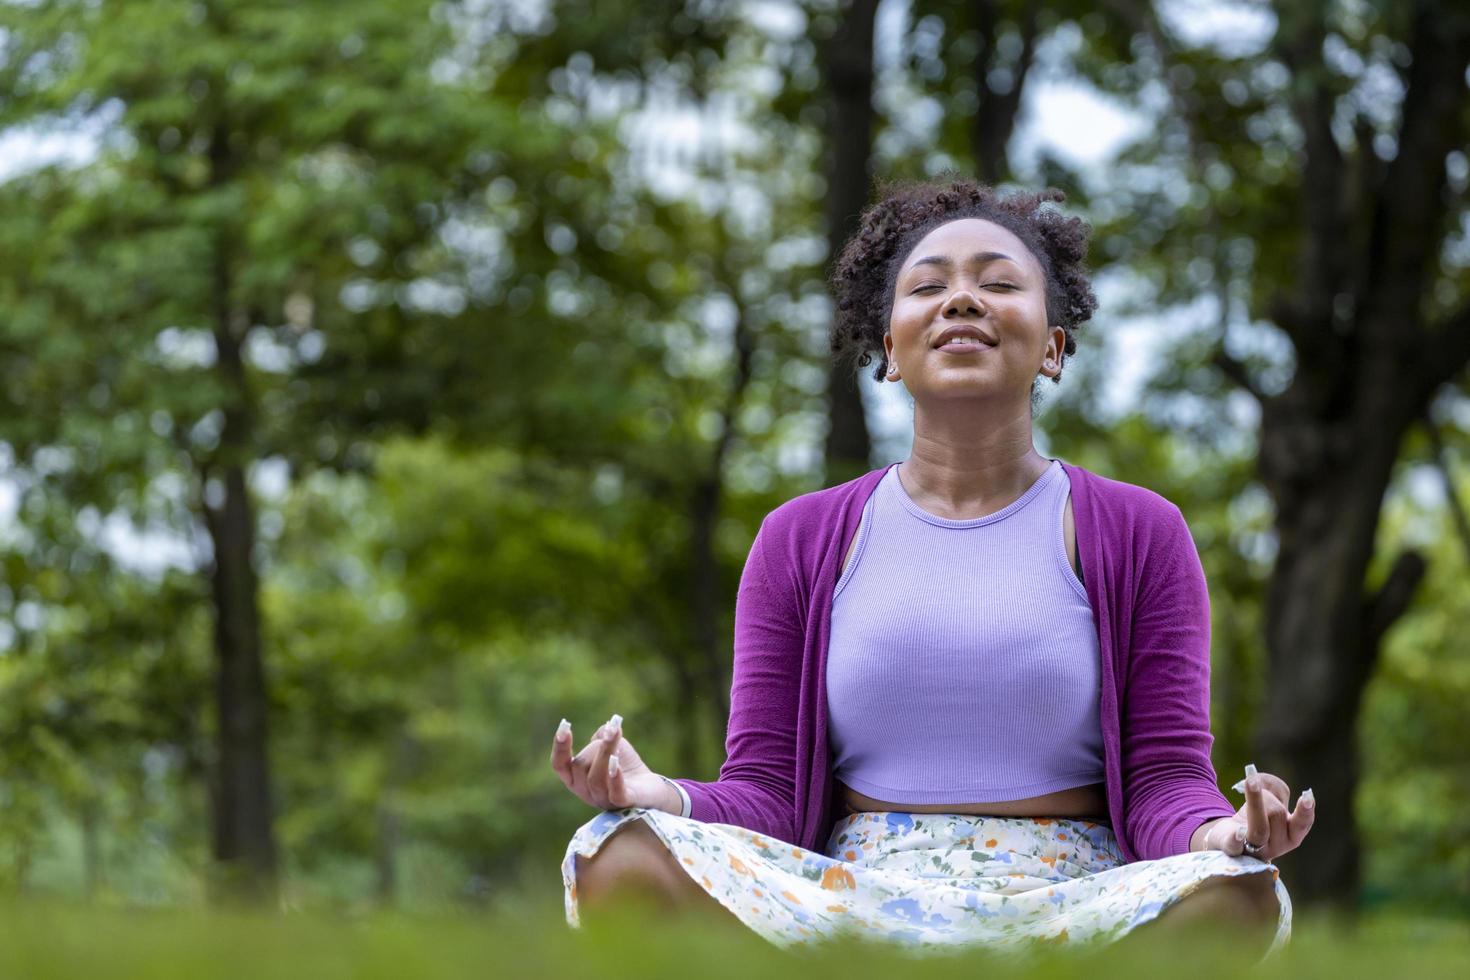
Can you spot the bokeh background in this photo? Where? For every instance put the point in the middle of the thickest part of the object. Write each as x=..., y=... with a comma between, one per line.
x=381, y=382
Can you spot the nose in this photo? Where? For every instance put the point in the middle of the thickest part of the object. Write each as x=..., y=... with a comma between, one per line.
x=963, y=302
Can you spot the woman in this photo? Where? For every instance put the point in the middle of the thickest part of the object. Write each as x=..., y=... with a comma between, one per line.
x=970, y=701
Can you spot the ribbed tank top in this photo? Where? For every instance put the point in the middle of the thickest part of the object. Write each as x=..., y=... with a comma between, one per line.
x=963, y=663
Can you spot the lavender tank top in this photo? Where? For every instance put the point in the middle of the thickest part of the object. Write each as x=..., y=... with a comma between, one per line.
x=963, y=664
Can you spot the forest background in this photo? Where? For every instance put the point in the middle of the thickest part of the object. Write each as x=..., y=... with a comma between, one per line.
x=382, y=382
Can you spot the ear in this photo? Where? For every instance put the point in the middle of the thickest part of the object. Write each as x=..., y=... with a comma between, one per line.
x=1051, y=361
x=888, y=345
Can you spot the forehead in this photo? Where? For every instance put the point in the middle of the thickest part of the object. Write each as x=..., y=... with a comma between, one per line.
x=962, y=238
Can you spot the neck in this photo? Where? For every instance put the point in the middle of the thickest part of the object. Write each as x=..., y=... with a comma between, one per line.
x=967, y=462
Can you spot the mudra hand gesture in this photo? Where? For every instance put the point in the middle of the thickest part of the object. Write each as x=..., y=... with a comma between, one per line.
x=608, y=772
x=1262, y=827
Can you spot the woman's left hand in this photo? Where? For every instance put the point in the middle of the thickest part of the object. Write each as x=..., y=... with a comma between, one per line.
x=1263, y=820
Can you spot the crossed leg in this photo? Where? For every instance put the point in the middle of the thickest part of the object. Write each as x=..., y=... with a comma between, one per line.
x=634, y=865
x=1242, y=907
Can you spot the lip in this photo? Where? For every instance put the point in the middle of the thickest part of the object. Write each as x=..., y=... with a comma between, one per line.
x=962, y=330
x=965, y=348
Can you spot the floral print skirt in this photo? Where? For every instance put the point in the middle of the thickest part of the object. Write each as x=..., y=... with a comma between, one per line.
x=929, y=880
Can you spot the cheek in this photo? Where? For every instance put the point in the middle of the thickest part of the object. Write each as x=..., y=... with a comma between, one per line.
x=908, y=318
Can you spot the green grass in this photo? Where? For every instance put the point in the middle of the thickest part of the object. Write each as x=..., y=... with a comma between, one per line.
x=39, y=941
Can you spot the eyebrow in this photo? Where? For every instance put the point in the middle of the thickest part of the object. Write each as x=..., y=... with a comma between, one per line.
x=978, y=257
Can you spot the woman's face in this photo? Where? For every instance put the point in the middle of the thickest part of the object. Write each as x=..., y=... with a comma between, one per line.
x=972, y=278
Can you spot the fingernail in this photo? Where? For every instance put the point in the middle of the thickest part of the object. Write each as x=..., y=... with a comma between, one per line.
x=1254, y=784
x=615, y=723
x=1239, y=787
x=612, y=766
x=1250, y=769
x=563, y=731
x=1239, y=833
x=1307, y=799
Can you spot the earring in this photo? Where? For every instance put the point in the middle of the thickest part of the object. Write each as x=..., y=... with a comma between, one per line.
x=893, y=367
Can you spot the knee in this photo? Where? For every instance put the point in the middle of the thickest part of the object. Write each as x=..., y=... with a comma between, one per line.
x=1247, y=900
x=1256, y=896
x=629, y=856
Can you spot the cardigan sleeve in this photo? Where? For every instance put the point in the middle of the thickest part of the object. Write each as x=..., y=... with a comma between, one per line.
x=1169, y=783
x=756, y=788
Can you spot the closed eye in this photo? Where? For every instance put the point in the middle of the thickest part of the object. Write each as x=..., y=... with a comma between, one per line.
x=988, y=285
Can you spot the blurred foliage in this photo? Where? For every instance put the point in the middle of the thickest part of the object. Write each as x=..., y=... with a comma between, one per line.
x=487, y=341
x=1412, y=734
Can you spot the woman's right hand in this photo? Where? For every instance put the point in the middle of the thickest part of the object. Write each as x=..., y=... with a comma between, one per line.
x=608, y=772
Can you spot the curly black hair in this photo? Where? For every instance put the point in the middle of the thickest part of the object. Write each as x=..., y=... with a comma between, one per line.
x=866, y=271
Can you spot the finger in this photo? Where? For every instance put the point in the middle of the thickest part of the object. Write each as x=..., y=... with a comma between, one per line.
x=561, y=752
x=616, y=789
x=1276, y=786
x=1276, y=815
x=613, y=764
x=597, y=771
x=581, y=766
x=1236, y=844
x=584, y=757
x=1226, y=837
x=1301, y=819
x=1257, y=825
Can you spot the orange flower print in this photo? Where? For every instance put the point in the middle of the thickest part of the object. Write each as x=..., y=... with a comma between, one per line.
x=740, y=867
x=837, y=878
x=791, y=897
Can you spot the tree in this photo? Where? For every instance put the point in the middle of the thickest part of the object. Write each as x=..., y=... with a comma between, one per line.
x=270, y=196
x=1322, y=175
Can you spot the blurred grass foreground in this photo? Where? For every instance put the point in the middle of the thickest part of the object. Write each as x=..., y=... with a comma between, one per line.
x=40, y=940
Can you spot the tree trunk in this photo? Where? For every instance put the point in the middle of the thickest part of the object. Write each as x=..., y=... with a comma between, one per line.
x=848, y=63
x=1323, y=632
x=711, y=645
x=244, y=841
x=687, y=711
x=1368, y=363
x=999, y=86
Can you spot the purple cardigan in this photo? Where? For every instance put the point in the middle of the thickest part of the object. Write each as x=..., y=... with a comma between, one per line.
x=1152, y=609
